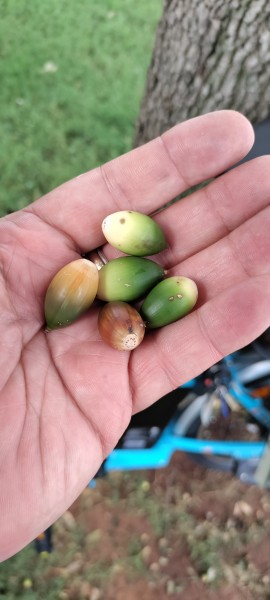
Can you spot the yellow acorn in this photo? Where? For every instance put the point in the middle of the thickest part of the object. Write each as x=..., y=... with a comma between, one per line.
x=70, y=293
x=133, y=233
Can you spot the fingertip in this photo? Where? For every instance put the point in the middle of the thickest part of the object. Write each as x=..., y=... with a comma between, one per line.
x=242, y=126
x=208, y=145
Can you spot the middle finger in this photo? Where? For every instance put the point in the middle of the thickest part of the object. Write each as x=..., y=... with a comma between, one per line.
x=209, y=214
x=198, y=221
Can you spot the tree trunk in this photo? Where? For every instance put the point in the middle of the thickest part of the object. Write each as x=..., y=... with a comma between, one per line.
x=208, y=55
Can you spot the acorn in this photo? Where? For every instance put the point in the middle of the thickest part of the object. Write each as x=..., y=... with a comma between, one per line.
x=121, y=326
x=133, y=233
x=168, y=301
x=70, y=293
x=128, y=278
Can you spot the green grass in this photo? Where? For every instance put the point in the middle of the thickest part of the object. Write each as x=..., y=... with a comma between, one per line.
x=29, y=567
x=72, y=76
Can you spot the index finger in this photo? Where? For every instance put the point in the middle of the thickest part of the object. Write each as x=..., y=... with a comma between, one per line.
x=148, y=177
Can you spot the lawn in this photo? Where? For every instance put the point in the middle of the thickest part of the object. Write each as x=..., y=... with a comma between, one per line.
x=72, y=77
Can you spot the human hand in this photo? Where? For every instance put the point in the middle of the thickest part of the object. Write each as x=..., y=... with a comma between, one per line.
x=66, y=397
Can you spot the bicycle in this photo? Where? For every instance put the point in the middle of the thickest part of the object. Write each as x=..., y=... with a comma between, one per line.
x=240, y=383
x=199, y=419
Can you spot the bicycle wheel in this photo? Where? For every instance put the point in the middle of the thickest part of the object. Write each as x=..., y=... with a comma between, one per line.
x=189, y=424
x=232, y=427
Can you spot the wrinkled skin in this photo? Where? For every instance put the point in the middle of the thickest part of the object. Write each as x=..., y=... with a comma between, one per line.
x=65, y=397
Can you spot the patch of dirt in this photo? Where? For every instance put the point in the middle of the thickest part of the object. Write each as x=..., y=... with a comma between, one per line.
x=258, y=555
x=182, y=531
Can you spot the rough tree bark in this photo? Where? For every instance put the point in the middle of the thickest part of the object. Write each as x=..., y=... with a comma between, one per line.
x=208, y=55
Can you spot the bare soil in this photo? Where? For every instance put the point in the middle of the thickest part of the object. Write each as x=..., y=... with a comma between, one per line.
x=180, y=532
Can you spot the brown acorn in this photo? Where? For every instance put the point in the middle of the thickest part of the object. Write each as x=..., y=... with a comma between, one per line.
x=121, y=326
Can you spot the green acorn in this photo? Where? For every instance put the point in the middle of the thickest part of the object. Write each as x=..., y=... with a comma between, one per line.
x=70, y=293
x=168, y=301
x=128, y=278
x=133, y=233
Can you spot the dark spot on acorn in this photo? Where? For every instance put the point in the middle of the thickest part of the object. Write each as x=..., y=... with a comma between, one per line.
x=122, y=221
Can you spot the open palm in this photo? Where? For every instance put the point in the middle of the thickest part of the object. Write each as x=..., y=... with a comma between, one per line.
x=66, y=397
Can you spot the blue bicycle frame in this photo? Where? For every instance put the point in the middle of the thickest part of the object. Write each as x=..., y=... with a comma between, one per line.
x=160, y=454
